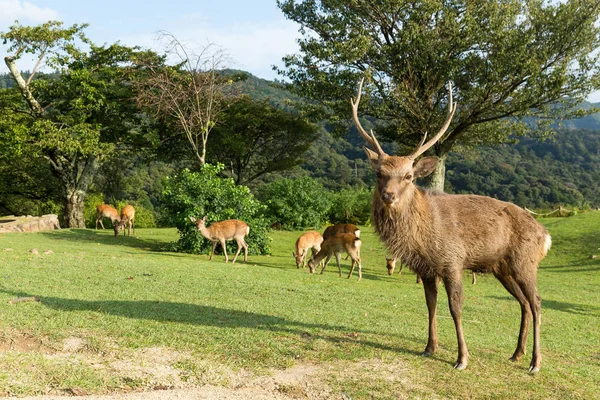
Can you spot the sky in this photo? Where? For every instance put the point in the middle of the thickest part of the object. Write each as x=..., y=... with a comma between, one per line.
x=254, y=34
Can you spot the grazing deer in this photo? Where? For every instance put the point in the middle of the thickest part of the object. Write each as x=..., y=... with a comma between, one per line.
x=127, y=219
x=439, y=235
x=310, y=240
x=391, y=265
x=106, y=211
x=220, y=232
x=341, y=228
x=334, y=246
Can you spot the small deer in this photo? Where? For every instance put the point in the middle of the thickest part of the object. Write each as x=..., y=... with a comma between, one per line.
x=391, y=265
x=335, y=245
x=220, y=232
x=106, y=211
x=127, y=220
x=439, y=235
x=341, y=228
x=310, y=240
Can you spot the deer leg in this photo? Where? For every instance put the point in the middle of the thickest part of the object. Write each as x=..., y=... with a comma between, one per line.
x=419, y=280
x=212, y=251
x=337, y=258
x=245, y=250
x=239, y=248
x=224, y=246
x=511, y=286
x=474, y=277
x=351, y=268
x=454, y=289
x=431, y=291
x=529, y=289
x=326, y=262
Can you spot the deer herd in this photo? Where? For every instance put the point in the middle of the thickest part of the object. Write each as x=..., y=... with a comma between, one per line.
x=436, y=235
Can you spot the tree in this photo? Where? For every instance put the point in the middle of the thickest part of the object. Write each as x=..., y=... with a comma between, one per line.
x=255, y=138
x=77, y=115
x=188, y=96
x=507, y=59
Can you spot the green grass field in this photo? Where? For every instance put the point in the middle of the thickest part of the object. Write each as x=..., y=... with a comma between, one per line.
x=123, y=314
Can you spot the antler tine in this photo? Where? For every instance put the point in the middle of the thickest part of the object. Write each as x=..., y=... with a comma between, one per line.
x=369, y=138
x=423, y=148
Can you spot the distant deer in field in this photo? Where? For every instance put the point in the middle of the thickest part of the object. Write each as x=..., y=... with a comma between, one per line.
x=106, y=211
x=391, y=265
x=439, y=235
x=335, y=245
x=220, y=232
x=309, y=240
x=127, y=220
x=341, y=228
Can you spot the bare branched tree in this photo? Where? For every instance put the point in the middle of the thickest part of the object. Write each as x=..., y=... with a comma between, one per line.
x=189, y=94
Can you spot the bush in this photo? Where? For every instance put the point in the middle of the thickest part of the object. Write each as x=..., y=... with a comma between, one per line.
x=204, y=193
x=296, y=203
x=351, y=206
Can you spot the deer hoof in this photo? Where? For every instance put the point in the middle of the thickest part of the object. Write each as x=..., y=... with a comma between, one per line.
x=534, y=370
x=460, y=366
x=427, y=353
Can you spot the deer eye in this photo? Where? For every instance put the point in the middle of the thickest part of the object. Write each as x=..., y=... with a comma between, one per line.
x=378, y=174
x=408, y=177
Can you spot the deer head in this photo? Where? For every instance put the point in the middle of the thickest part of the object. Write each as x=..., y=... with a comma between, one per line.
x=396, y=174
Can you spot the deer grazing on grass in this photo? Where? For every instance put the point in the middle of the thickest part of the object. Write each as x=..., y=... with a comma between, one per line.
x=391, y=265
x=220, y=232
x=106, y=211
x=341, y=228
x=439, y=235
x=309, y=240
x=127, y=220
x=335, y=245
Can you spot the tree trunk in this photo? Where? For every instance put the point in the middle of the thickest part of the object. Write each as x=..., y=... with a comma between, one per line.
x=438, y=177
x=76, y=176
x=74, y=207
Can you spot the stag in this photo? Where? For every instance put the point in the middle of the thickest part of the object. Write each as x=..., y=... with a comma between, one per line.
x=439, y=235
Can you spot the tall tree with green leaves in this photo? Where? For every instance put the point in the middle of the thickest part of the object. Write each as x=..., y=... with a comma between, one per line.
x=507, y=60
x=78, y=114
x=256, y=138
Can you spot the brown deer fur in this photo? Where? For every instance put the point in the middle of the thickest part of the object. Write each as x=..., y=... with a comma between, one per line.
x=341, y=228
x=335, y=245
x=439, y=235
x=309, y=240
x=220, y=232
x=127, y=220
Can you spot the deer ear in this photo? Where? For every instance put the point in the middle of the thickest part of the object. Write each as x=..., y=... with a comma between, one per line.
x=372, y=156
x=425, y=166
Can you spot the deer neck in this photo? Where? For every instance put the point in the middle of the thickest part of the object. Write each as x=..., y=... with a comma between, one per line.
x=206, y=232
x=407, y=228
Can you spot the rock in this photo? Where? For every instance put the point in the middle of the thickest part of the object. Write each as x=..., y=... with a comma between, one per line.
x=29, y=224
x=34, y=251
x=48, y=252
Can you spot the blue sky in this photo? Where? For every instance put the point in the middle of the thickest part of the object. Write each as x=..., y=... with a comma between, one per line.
x=253, y=33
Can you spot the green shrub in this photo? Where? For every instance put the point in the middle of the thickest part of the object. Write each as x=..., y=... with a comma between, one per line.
x=351, y=206
x=204, y=193
x=296, y=203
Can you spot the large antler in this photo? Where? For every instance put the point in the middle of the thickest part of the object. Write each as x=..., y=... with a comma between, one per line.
x=422, y=148
x=371, y=140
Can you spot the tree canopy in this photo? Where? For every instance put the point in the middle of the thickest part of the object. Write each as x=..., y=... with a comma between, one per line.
x=506, y=59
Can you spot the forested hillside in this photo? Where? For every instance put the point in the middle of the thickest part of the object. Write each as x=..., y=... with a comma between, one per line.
x=564, y=169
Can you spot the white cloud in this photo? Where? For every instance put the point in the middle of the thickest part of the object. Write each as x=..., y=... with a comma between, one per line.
x=251, y=47
x=24, y=11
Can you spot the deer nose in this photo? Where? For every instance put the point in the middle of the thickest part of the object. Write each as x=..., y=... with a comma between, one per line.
x=388, y=197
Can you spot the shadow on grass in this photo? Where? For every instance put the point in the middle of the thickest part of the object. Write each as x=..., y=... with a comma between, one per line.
x=91, y=235
x=201, y=315
x=580, y=309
